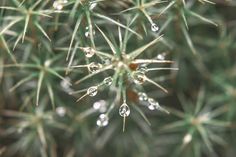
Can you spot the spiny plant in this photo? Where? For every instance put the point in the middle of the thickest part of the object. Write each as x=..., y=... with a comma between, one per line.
x=41, y=69
x=200, y=122
x=29, y=18
x=127, y=68
x=66, y=65
x=34, y=129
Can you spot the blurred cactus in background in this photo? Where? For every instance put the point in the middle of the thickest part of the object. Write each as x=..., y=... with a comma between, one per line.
x=142, y=78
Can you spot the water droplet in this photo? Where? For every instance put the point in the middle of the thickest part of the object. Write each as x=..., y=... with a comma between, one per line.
x=187, y=138
x=124, y=110
x=154, y=27
x=151, y=104
x=59, y=4
x=108, y=81
x=47, y=63
x=138, y=77
x=89, y=52
x=61, y=111
x=87, y=33
x=142, y=96
x=92, y=91
x=100, y=105
x=106, y=61
x=65, y=85
x=94, y=67
x=142, y=68
x=92, y=5
x=102, y=120
x=161, y=56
